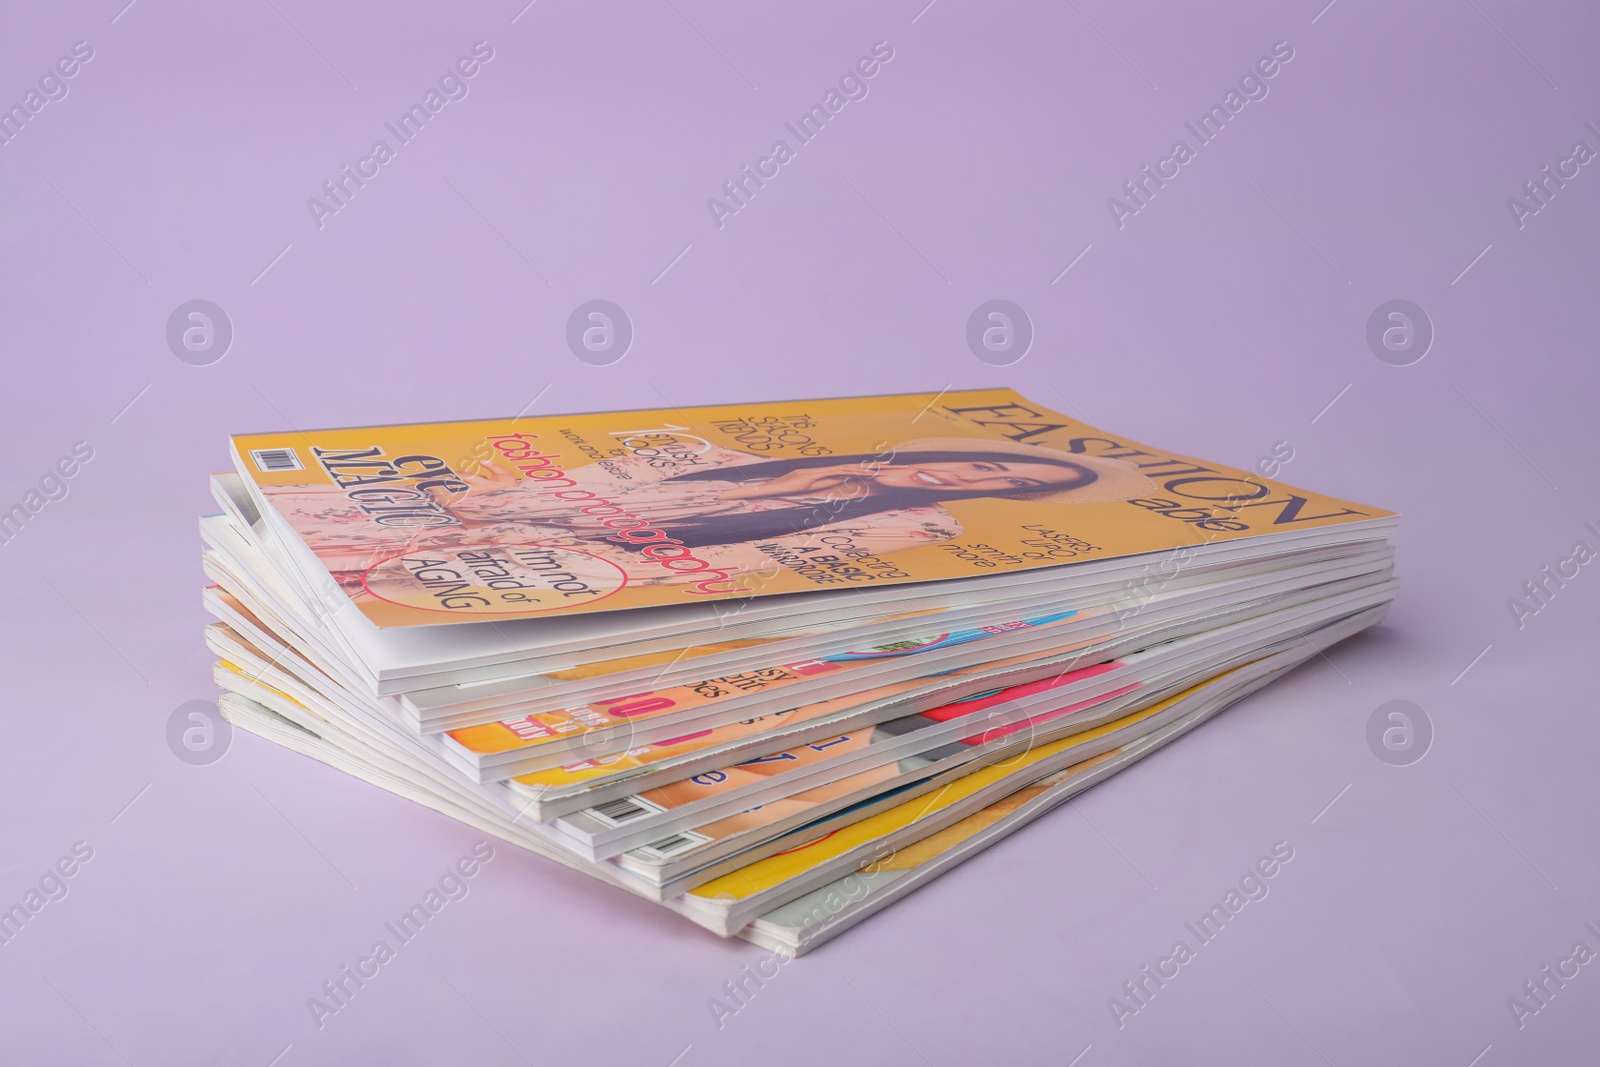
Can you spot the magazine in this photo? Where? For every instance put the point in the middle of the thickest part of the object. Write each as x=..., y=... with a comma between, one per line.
x=769, y=665
x=505, y=519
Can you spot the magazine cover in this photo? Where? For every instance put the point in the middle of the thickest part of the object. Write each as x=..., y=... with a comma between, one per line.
x=543, y=515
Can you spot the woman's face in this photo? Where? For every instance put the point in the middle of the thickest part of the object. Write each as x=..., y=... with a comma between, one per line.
x=987, y=475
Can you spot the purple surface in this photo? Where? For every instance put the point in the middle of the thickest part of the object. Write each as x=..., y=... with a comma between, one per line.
x=1225, y=316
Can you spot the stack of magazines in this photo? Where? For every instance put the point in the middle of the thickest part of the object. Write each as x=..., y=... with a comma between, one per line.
x=772, y=665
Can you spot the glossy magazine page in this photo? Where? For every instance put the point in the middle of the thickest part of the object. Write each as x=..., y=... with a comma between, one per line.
x=547, y=515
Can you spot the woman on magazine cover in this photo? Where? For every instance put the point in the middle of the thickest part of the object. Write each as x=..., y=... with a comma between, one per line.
x=738, y=511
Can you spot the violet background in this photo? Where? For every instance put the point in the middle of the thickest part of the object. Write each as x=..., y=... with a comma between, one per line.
x=1221, y=319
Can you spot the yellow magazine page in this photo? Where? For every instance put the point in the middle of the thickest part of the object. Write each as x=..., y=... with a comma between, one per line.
x=514, y=518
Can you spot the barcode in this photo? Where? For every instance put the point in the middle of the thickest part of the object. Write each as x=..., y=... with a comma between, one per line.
x=624, y=809
x=271, y=460
x=671, y=846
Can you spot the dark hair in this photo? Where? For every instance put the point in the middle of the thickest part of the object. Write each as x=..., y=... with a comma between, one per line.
x=738, y=528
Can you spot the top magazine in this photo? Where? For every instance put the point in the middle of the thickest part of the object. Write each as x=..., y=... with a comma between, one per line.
x=544, y=516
